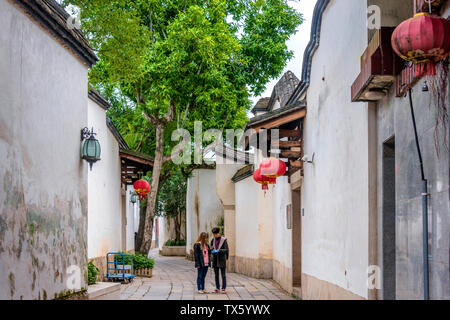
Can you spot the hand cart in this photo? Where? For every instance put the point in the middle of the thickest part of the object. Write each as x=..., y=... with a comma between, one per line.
x=119, y=267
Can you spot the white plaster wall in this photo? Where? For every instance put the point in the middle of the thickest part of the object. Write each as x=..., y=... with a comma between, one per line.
x=203, y=207
x=224, y=185
x=136, y=214
x=335, y=189
x=43, y=181
x=163, y=234
x=225, y=189
x=282, y=236
x=265, y=220
x=247, y=240
x=131, y=217
x=105, y=198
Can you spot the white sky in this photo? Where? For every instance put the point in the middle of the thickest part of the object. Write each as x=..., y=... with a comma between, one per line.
x=297, y=43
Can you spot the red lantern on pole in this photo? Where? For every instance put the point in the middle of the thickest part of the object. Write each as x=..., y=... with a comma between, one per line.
x=142, y=188
x=424, y=40
x=272, y=168
x=264, y=181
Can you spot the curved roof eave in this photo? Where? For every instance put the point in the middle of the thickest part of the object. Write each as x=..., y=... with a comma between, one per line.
x=312, y=46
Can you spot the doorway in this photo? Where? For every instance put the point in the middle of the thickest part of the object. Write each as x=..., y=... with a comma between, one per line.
x=296, y=240
x=388, y=230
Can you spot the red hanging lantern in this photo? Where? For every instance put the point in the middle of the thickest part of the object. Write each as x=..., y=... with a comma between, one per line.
x=142, y=188
x=264, y=181
x=272, y=168
x=424, y=40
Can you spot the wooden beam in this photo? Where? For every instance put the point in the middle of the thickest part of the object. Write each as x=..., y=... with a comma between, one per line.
x=136, y=159
x=289, y=133
x=296, y=163
x=280, y=120
x=286, y=144
x=290, y=154
x=292, y=171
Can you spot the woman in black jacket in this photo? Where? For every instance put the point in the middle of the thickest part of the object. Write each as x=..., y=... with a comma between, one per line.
x=202, y=260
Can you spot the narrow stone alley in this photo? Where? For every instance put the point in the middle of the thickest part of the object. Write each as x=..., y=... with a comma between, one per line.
x=174, y=278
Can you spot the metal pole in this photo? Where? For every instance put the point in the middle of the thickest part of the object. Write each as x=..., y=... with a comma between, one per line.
x=426, y=282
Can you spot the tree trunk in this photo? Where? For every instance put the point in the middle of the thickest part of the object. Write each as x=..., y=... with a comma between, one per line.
x=140, y=234
x=177, y=227
x=151, y=200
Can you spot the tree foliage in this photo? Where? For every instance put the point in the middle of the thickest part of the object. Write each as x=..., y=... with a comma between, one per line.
x=206, y=57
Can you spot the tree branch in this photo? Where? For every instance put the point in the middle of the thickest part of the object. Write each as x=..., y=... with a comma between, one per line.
x=170, y=115
x=175, y=151
x=151, y=119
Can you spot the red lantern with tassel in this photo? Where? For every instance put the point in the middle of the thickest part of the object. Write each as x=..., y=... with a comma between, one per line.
x=142, y=188
x=424, y=40
x=264, y=181
x=272, y=168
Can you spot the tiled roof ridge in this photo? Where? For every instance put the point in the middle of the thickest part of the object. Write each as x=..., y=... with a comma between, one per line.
x=52, y=17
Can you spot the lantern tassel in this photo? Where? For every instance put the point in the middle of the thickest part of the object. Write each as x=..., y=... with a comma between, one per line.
x=425, y=69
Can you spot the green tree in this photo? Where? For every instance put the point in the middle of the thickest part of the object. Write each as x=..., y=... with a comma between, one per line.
x=172, y=62
x=172, y=200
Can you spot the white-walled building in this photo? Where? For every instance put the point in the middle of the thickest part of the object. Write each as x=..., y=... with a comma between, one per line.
x=55, y=213
x=111, y=215
x=44, y=182
x=349, y=212
x=361, y=195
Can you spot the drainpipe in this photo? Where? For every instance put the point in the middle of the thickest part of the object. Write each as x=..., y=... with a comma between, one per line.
x=426, y=284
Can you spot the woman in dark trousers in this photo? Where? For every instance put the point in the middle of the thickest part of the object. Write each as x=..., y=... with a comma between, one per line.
x=202, y=260
x=219, y=250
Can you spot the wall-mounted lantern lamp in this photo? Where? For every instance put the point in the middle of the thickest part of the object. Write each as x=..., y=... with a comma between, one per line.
x=133, y=197
x=91, y=148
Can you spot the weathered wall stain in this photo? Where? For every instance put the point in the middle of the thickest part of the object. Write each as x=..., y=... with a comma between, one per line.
x=3, y=229
x=197, y=210
x=12, y=284
x=39, y=240
x=4, y=133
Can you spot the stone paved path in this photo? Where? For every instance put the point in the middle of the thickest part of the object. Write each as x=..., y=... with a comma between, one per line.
x=174, y=278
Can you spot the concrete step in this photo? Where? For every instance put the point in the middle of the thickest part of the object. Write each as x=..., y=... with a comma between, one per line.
x=104, y=291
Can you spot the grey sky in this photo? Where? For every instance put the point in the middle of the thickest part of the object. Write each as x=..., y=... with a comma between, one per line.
x=297, y=44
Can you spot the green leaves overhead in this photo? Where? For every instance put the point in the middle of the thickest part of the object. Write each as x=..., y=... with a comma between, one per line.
x=202, y=58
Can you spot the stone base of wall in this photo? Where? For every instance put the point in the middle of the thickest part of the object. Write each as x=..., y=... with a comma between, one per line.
x=255, y=268
x=230, y=264
x=297, y=291
x=173, y=251
x=190, y=255
x=100, y=263
x=282, y=275
x=316, y=289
